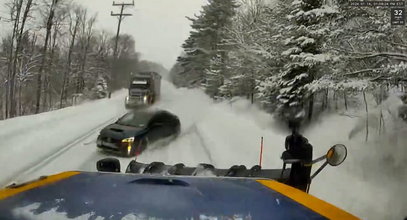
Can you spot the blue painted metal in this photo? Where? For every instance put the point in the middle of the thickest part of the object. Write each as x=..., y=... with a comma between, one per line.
x=114, y=196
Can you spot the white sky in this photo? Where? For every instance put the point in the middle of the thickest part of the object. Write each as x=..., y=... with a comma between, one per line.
x=158, y=26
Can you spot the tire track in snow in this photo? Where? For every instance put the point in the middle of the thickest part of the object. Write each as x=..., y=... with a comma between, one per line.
x=203, y=144
x=187, y=133
x=193, y=129
x=32, y=167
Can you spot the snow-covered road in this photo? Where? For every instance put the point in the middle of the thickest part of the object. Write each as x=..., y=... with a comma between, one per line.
x=223, y=134
x=27, y=141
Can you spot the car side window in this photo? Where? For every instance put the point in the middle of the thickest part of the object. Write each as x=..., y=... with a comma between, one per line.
x=157, y=119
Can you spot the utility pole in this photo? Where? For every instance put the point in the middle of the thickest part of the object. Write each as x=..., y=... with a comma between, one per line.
x=121, y=16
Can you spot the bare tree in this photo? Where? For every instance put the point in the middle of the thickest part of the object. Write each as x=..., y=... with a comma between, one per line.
x=15, y=10
x=29, y=62
x=44, y=54
x=87, y=33
x=74, y=22
x=68, y=57
x=53, y=67
x=19, y=35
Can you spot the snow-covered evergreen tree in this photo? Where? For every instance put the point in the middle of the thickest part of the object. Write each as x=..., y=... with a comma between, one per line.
x=287, y=55
x=203, y=49
x=251, y=51
x=213, y=76
x=370, y=50
x=304, y=56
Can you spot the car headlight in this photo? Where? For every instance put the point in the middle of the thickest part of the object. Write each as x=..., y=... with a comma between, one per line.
x=128, y=140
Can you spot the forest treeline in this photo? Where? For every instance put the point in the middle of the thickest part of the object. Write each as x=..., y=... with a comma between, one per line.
x=293, y=56
x=51, y=54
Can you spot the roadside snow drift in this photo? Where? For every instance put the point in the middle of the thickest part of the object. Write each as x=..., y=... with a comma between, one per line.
x=27, y=140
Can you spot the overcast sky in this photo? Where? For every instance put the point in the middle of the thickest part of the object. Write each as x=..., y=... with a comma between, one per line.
x=158, y=26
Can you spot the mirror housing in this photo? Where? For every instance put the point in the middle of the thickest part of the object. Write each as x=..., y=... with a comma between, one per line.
x=108, y=165
x=336, y=155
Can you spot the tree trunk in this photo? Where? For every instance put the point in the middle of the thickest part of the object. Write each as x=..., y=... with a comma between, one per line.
x=322, y=94
x=383, y=125
x=51, y=104
x=69, y=62
x=336, y=100
x=20, y=88
x=10, y=80
x=45, y=92
x=13, y=104
x=1, y=106
x=81, y=78
x=345, y=99
x=62, y=94
x=311, y=107
x=380, y=122
x=13, y=60
x=47, y=77
x=4, y=100
x=86, y=34
x=327, y=98
x=44, y=56
x=367, y=116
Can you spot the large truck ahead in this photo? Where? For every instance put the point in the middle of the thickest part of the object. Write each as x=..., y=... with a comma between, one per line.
x=144, y=89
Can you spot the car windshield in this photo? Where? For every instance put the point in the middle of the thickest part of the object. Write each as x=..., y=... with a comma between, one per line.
x=140, y=83
x=134, y=119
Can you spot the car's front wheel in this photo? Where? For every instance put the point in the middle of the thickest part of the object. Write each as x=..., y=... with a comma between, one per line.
x=138, y=148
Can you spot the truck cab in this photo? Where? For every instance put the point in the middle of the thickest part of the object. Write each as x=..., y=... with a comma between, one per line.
x=144, y=89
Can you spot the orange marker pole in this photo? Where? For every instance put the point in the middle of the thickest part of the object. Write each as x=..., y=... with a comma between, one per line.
x=261, y=152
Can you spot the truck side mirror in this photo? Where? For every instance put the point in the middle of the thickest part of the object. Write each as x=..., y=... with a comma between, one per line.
x=336, y=155
x=108, y=165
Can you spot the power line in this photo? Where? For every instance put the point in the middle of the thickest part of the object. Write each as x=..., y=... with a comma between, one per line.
x=121, y=16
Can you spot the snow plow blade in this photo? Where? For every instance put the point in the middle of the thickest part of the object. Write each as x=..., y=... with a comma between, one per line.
x=207, y=170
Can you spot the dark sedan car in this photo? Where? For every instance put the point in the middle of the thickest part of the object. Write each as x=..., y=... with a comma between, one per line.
x=132, y=133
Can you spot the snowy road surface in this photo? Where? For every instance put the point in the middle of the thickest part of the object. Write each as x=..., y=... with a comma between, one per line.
x=222, y=134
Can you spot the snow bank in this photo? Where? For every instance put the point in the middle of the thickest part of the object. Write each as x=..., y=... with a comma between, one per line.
x=27, y=140
x=371, y=182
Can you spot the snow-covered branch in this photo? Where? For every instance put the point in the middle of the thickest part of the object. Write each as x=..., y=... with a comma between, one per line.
x=362, y=71
x=387, y=54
